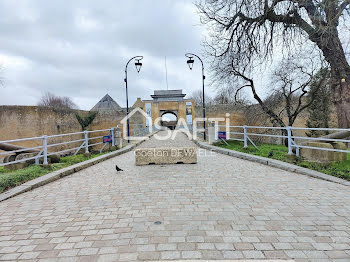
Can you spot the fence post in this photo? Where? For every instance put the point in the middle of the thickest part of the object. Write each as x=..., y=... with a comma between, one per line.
x=289, y=131
x=245, y=137
x=45, y=150
x=112, y=134
x=86, y=138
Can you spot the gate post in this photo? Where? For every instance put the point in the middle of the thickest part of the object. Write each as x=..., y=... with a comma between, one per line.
x=245, y=137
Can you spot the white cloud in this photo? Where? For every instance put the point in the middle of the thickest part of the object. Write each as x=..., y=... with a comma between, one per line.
x=79, y=48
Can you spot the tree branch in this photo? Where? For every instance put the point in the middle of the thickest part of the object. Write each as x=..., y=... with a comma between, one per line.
x=257, y=98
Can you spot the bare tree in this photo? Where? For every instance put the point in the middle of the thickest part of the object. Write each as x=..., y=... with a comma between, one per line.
x=225, y=95
x=243, y=32
x=291, y=84
x=197, y=96
x=56, y=102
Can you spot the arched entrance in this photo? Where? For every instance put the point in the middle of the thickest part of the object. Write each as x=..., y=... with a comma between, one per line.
x=169, y=119
x=171, y=104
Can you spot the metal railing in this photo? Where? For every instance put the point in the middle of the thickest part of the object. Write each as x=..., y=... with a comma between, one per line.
x=41, y=148
x=295, y=136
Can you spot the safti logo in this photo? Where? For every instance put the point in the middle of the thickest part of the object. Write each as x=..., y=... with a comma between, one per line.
x=192, y=132
x=124, y=121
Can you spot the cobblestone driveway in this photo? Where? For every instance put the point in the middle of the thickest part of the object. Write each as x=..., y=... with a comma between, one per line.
x=220, y=208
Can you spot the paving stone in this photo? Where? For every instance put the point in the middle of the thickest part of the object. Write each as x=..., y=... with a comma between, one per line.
x=6, y=250
x=274, y=254
x=253, y=254
x=148, y=255
x=212, y=254
x=29, y=255
x=322, y=246
x=65, y=246
x=164, y=247
x=146, y=248
x=224, y=246
x=283, y=246
x=170, y=255
x=233, y=254
x=263, y=246
x=26, y=248
x=315, y=254
x=88, y=251
x=128, y=256
x=48, y=254
x=206, y=246
x=191, y=254
x=186, y=246
x=295, y=254
x=243, y=246
x=108, y=258
x=219, y=208
x=68, y=253
x=11, y=256
x=108, y=250
x=176, y=239
x=196, y=239
x=303, y=246
x=337, y=254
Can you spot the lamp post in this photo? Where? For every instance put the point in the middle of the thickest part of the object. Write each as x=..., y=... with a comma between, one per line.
x=138, y=66
x=190, y=63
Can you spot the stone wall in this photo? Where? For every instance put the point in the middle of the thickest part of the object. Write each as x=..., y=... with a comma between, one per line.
x=219, y=111
x=32, y=121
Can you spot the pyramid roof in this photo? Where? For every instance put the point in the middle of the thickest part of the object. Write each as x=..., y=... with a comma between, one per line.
x=107, y=103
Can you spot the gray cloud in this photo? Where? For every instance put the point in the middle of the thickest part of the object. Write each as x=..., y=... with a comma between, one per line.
x=79, y=48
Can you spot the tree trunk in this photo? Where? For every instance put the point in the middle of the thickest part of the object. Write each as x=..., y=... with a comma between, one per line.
x=341, y=96
x=340, y=77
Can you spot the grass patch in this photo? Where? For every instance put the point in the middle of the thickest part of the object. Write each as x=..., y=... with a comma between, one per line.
x=13, y=178
x=338, y=169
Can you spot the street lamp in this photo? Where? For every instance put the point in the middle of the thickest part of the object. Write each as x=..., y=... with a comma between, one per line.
x=190, y=63
x=138, y=66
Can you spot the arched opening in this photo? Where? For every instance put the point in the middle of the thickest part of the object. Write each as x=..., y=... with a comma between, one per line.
x=169, y=120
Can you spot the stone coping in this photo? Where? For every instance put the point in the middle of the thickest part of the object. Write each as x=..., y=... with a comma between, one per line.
x=274, y=163
x=50, y=177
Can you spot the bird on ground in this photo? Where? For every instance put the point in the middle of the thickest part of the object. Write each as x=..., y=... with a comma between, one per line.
x=118, y=169
x=271, y=154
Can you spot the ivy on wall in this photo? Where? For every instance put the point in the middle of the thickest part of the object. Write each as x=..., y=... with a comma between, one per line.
x=85, y=121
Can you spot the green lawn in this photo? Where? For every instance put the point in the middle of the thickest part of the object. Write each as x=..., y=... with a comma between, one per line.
x=338, y=169
x=10, y=179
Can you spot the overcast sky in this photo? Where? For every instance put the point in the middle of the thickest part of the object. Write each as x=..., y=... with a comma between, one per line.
x=79, y=48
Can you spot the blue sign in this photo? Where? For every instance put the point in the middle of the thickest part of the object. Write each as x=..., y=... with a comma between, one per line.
x=107, y=139
x=222, y=135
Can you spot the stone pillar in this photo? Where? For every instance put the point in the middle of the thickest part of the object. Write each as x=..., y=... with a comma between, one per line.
x=211, y=134
x=118, y=137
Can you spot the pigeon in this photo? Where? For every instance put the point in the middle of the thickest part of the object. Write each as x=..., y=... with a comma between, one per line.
x=118, y=169
x=271, y=154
